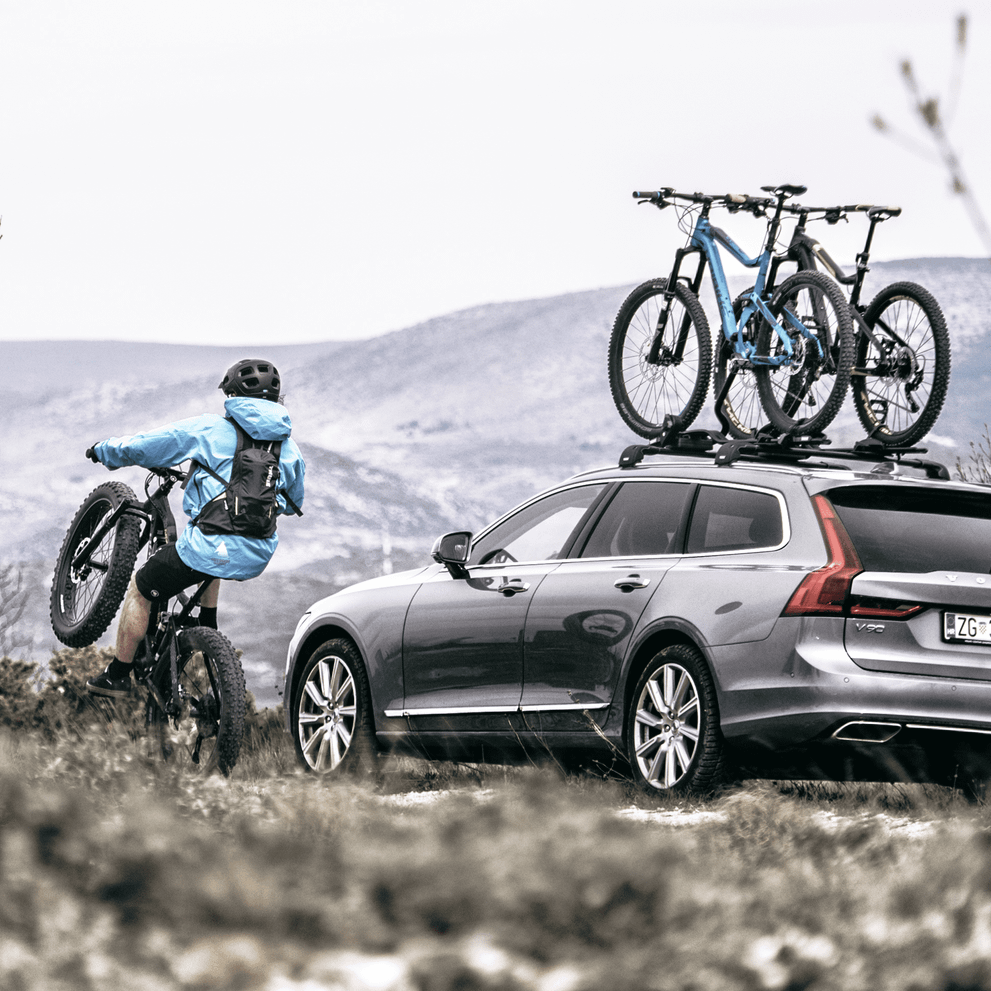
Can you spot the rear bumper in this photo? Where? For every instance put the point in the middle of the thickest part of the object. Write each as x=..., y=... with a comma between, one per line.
x=800, y=687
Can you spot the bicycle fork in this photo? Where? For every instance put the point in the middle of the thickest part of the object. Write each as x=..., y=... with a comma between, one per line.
x=659, y=353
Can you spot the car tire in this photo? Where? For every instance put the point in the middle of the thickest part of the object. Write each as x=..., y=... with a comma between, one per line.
x=332, y=723
x=674, y=740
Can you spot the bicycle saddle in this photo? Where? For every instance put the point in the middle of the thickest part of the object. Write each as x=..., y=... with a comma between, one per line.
x=786, y=189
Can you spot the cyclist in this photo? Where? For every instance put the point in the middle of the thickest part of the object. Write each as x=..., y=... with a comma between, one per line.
x=253, y=388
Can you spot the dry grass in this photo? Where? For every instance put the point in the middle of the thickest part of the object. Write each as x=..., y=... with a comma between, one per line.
x=116, y=871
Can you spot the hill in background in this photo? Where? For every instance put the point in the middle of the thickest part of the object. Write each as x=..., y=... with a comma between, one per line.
x=441, y=426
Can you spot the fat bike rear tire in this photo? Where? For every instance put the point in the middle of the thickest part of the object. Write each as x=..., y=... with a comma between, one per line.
x=206, y=734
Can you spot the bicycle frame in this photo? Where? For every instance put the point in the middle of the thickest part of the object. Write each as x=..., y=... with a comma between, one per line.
x=808, y=253
x=705, y=240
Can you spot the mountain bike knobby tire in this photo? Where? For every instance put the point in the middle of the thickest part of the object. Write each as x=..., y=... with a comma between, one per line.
x=212, y=696
x=84, y=600
x=910, y=368
x=678, y=380
x=806, y=395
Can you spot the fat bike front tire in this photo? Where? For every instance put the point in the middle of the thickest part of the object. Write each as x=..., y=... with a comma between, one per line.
x=85, y=598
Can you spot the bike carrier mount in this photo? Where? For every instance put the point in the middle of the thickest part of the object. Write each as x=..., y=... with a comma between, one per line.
x=770, y=447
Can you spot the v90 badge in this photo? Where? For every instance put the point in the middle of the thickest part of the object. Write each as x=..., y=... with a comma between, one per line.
x=870, y=627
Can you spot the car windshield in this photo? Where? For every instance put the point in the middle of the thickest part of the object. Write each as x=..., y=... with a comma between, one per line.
x=917, y=530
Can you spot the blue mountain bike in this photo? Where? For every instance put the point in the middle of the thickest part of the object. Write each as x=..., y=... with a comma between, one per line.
x=797, y=344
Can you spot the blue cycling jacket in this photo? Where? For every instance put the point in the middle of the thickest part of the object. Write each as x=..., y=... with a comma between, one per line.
x=212, y=441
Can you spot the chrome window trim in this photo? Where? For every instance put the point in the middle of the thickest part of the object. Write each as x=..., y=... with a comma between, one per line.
x=782, y=505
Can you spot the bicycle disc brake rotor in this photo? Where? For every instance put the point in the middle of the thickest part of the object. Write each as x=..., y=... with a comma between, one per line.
x=654, y=369
x=206, y=712
x=78, y=575
x=81, y=574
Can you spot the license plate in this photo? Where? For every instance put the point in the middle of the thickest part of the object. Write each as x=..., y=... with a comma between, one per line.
x=966, y=628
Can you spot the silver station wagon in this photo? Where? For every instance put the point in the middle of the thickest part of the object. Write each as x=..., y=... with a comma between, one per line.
x=699, y=611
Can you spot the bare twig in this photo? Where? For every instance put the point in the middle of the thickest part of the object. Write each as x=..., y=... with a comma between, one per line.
x=936, y=124
x=13, y=601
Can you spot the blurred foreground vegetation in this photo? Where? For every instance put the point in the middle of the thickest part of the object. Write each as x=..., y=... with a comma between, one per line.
x=117, y=872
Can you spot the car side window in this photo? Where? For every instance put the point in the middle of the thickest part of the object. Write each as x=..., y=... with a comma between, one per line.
x=642, y=519
x=731, y=519
x=538, y=532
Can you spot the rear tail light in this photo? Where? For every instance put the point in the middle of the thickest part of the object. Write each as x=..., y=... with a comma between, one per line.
x=826, y=592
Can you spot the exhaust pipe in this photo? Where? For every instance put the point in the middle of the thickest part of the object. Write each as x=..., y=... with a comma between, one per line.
x=861, y=731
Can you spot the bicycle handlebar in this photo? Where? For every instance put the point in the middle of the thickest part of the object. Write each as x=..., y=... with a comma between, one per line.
x=833, y=214
x=173, y=474
x=732, y=201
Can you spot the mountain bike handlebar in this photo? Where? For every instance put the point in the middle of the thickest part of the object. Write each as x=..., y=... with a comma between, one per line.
x=734, y=202
x=174, y=474
x=833, y=214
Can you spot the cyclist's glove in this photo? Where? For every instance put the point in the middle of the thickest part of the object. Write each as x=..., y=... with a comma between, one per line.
x=91, y=454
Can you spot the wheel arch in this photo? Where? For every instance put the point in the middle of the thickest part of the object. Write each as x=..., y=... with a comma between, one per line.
x=653, y=642
x=318, y=635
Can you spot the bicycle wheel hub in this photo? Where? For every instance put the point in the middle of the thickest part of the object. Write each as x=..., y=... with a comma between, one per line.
x=651, y=366
x=78, y=575
x=904, y=365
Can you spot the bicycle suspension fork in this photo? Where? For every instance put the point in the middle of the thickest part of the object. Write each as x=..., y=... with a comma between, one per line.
x=659, y=354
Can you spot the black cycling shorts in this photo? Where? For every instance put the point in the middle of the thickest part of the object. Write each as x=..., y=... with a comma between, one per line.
x=165, y=575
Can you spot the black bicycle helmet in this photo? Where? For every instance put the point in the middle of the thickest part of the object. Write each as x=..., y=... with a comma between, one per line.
x=252, y=377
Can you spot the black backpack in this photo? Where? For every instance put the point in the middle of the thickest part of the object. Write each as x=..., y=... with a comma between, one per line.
x=248, y=506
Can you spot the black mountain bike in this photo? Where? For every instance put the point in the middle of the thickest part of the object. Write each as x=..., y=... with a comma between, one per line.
x=901, y=369
x=195, y=689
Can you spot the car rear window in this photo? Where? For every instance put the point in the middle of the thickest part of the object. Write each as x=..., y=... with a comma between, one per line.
x=917, y=530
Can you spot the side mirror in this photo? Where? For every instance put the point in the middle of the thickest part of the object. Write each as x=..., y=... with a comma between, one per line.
x=452, y=551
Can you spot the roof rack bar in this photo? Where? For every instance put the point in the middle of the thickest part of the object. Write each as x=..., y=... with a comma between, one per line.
x=769, y=447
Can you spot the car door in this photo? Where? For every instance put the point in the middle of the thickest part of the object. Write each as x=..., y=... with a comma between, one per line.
x=463, y=638
x=583, y=614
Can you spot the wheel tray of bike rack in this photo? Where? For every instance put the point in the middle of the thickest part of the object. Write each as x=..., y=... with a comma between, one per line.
x=783, y=449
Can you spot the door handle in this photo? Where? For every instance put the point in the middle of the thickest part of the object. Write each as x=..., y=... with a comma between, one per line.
x=513, y=586
x=631, y=582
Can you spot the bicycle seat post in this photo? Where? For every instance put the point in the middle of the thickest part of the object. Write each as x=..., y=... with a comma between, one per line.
x=863, y=257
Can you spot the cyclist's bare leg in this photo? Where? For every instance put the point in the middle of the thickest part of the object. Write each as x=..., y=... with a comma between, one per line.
x=211, y=595
x=115, y=681
x=133, y=625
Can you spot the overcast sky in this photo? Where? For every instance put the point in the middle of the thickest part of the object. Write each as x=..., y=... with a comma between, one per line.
x=244, y=171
